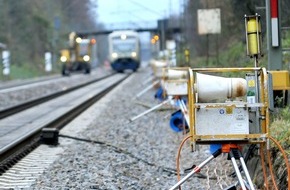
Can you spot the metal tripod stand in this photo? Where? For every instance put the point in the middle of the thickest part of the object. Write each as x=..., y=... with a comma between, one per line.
x=234, y=154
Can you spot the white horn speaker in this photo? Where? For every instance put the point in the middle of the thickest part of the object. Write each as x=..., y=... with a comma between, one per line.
x=159, y=64
x=173, y=74
x=211, y=88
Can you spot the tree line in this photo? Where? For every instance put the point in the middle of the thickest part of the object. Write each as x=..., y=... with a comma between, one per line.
x=30, y=28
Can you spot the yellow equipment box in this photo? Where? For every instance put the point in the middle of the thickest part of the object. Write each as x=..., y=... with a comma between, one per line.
x=280, y=80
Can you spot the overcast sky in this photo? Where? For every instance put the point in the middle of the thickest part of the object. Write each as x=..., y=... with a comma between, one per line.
x=136, y=12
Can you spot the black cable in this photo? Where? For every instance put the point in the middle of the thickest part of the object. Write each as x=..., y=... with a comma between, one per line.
x=119, y=150
x=81, y=139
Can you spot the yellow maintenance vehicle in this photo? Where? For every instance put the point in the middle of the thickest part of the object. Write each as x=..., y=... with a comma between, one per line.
x=77, y=58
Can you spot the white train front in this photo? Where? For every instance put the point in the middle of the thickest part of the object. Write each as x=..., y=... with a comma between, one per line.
x=124, y=50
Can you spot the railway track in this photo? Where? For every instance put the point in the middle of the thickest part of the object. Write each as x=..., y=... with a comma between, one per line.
x=21, y=128
x=25, y=105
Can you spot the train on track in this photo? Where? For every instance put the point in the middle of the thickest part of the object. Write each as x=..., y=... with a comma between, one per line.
x=78, y=57
x=124, y=50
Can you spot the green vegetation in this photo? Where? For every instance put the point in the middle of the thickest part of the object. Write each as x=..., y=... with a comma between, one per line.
x=227, y=49
x=286, y=44
x=280, y=127
x=234, y=56
x=30, y=28
x=25, y=71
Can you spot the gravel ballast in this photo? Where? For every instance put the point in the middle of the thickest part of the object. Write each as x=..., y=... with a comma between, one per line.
x=124, y=154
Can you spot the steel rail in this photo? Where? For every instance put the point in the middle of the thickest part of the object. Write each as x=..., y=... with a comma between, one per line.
x=16, y=150
x=25, y=105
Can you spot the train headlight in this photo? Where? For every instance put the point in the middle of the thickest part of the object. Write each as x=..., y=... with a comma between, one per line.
x=114, y=55
x=63, y=58
x=123, y=36
x=86, y=58
x=133, y=54
x=78, y=40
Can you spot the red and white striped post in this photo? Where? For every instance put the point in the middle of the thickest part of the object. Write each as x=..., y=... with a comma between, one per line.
x=274, y=23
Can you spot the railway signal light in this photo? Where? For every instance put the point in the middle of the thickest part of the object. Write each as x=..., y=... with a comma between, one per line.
x=154, y=39
x=93, y=41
